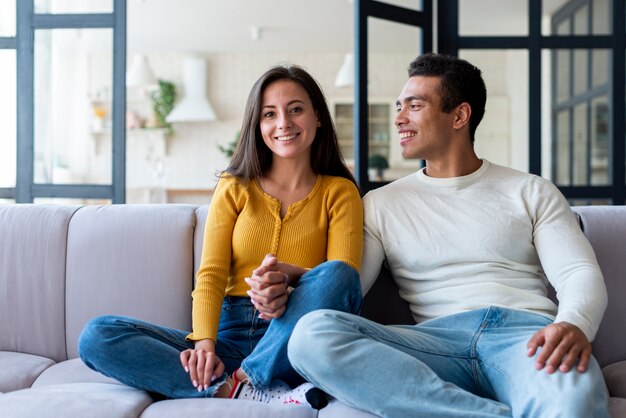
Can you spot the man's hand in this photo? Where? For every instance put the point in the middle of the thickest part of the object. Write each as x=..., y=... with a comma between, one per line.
x=269, y=288
x=202, y=364
x=563, y=344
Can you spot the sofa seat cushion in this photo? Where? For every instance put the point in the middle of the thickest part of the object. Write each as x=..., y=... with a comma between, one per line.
x=210, y=408
x=20, y=370
x=71, y=371
x=615, y=378
x=336, y=408
x=617, y=407
x=95, y=400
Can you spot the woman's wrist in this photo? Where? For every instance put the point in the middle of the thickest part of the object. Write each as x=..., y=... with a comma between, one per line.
x=207, y=345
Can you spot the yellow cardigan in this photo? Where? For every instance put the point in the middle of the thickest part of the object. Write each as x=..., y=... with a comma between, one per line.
x=244, y=225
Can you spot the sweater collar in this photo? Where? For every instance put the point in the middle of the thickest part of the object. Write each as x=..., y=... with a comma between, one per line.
x=453, y=181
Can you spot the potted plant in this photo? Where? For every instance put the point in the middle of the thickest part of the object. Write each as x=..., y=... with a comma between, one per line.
x=162, y=104
x=377, y=164
x=229, y=150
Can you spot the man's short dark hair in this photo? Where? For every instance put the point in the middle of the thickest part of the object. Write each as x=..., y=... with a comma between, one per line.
x=460, y=82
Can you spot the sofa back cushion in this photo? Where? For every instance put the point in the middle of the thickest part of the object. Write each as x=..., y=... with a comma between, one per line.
x=32, y=278
x=605, y=227
x=134, y=260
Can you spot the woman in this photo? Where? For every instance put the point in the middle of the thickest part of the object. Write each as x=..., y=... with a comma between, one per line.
x=283, y=238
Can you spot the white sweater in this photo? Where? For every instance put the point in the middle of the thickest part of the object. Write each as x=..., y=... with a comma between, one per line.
x=488, y=238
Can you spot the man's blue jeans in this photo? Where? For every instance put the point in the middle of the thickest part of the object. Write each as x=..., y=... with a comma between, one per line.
x=147, y=356
x=471, y=364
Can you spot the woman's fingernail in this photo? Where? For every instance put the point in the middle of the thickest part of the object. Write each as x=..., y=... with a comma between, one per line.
x=187, y=369
x=195, y=384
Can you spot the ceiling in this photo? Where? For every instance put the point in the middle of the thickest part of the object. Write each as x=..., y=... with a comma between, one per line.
x=296, y=26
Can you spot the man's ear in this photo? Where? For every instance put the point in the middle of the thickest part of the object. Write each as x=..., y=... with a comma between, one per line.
x=462, y=115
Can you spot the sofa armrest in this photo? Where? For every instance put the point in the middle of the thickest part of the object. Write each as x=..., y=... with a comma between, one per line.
x=615, y=378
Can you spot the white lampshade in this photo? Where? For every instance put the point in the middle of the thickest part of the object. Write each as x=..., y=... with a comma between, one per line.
x=194, y=106
x=345, y=76
x=140, y=73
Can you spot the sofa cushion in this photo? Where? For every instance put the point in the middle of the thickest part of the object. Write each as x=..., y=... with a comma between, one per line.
x=134, y=260
x=94, y=400
x=210, y=408
x=605, y=227
x=615, y=378
x=20, y=370
x=32, y=272
x=339, y=409
x=617, y=407
x=201, y=215
x=71, y=371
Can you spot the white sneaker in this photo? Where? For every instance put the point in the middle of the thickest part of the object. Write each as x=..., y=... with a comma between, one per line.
x=278, y=393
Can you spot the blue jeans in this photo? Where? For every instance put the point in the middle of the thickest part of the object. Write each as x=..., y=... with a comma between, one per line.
x=147, y=356
x=471, y=364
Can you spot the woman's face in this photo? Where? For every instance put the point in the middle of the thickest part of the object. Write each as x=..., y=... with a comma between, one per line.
x=288, y=121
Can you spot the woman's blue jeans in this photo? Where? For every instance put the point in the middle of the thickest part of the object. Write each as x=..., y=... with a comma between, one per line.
x=147, y=356
x=471, y=364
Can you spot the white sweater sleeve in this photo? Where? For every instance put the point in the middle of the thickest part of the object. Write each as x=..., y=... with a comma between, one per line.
x=373, y=250
x=567, y=259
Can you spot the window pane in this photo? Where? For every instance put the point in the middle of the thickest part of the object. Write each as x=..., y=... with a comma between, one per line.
x=502, y=136
x=581, y=144
x=7, y=118
x=601, y=18
x=562, y=74
x=7, y=17
x=387, y=75
x=506, y=17
x=600, y=141
x=70, y=67
x=563, y=155
x=581, y=21
x=581, y=71
x=587, y=17
x=73, y=6
x=600, y=67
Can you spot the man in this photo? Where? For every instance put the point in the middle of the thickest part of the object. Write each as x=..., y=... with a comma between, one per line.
x=471, y=246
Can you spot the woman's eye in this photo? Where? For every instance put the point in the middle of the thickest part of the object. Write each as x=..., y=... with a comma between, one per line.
x=268, y=114
x=296, y=109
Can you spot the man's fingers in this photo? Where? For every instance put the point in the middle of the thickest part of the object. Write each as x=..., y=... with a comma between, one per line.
x=536, y=341
x=585, y=356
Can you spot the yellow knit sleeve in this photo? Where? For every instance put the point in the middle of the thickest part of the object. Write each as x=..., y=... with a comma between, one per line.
x=212, y=276
x=345, y=229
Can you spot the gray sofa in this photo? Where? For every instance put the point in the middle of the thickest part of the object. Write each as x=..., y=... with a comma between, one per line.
x=62, y=265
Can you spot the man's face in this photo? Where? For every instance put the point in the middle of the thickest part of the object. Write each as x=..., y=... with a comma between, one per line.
x=425, y=131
